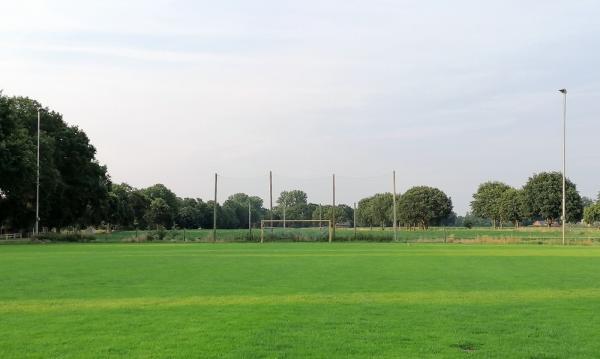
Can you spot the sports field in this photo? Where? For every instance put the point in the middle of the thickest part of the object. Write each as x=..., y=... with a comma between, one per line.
x=299, y=300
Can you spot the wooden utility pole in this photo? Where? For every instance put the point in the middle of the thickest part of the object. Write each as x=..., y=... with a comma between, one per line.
x=271, y=196
x=333, y=212
x=354, y=220
x=320, y=216
x=215, y=212
x=249, y=219
x=271, y=201
x=394, y=204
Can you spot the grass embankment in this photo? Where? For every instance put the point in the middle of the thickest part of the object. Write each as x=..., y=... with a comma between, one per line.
x=299, y=300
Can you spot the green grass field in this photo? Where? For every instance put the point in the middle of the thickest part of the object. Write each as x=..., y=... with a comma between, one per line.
x=298, y=300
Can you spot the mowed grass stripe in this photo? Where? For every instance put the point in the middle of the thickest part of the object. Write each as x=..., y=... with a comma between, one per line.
x=297, y=250
x=407, y=298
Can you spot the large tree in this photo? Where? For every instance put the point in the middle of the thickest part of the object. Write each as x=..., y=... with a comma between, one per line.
x=376, y=210
x=423, y=206
x=120, y=209
x=295, y=204
x=161, y=191
x=591, y=214
x=543, y=198
x=512, y=206
x=486, y=201
x=159, y=213
x=73, y=186
x=236, y=208
x=193, y=213
x=343, y=213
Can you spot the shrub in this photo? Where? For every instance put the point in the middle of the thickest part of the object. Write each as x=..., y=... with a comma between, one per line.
x=65, y=237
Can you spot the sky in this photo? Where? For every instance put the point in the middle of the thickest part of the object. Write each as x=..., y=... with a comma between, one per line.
x=447, y=94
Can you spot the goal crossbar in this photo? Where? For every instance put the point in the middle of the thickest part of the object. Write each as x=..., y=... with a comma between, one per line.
x=268, y=224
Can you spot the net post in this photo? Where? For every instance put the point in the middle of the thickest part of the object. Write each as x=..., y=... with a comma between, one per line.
x=330, y=231
x=320, y=216
x=262, y=230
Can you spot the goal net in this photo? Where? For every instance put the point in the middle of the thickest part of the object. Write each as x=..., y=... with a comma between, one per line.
x=296, y=230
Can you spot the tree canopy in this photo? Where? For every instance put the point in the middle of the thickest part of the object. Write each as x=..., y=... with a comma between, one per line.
x=486, y=201
x=543, y=198
x=73, y=185
x=423, y=206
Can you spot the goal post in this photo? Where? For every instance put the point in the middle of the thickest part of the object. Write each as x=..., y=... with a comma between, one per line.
x=302, y=229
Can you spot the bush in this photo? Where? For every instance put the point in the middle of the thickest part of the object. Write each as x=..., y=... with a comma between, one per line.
x=468, y=223
x=157, y=235
x=65, y=237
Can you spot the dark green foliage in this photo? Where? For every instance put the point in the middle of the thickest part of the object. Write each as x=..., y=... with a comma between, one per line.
x=423, y=206
x=470, y=220
x=591, y=214
x=66, y=237
x=73, y=186
x=193, y=213
x=512, y=206
x=295, y=204
x=344, y=214
x=487, y=201
x=543, y=198
x=235, y=211
x=376, y=210
x=468, y=223
x=159, y=213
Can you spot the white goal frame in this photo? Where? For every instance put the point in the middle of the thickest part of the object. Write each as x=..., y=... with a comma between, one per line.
x=268, y=224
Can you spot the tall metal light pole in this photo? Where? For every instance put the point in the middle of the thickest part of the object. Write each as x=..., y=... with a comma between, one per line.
x=37, y=191
x=564, y=164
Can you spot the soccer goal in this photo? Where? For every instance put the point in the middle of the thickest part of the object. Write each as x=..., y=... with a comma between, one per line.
x=314, y=230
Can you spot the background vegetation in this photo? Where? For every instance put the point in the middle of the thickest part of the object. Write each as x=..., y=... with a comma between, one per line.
x=77, y=192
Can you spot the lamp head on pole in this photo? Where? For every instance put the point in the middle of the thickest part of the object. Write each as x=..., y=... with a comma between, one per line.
x=563, y=91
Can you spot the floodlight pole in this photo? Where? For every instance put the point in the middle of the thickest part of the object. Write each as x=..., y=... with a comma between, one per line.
x=215, y=212
x=394, y=204
x=37, y=191
x=564, y=165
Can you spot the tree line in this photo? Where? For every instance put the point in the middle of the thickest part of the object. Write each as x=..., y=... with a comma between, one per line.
x=540, y=199
x=158, y=206
x=77, y=191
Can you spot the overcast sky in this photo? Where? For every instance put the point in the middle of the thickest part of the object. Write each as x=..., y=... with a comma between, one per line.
x=449, y=94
